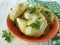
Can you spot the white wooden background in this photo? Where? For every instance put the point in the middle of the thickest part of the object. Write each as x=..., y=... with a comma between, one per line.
x=5, y=6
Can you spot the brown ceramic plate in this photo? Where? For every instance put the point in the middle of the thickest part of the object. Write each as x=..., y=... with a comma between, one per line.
x=16, y=32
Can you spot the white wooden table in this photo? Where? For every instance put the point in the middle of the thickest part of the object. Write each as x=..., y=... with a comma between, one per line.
x=5, y=6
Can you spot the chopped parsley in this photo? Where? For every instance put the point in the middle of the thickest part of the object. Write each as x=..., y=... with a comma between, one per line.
x=35, y=25
x=33, y=10
x=7, y=35
x=11, y=8
x=48, y=13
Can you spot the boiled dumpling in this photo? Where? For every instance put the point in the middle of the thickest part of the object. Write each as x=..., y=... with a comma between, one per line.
x=33, y=16
x=30, y=31
x=17, y=10
x=47, y=13
x=21, y=24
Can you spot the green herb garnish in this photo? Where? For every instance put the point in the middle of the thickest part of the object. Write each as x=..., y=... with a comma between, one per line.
x=11, y=8
x=33, y=10
x=48, y=13
x=35, y=25
x=7, y=35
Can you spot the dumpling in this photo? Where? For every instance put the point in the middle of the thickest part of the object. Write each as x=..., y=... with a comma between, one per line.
x=33, y=16
x=21, y=24
x=47, y=13
x=29, y=30
x=17, y=10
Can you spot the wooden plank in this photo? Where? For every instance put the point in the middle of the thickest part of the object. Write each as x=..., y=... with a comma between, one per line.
x=16, y=41
x=25, y=42
x=45, y=43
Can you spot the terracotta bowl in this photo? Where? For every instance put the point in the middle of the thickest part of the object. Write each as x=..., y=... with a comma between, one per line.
x=16, y=32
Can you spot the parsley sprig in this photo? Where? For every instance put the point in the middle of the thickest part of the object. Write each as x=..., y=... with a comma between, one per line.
x=33, y=10
x=48, y=13
x=7, y=35
x=11, y=8
x=35, y=25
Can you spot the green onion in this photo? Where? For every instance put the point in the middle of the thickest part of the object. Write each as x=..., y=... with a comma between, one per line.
x=35, y=25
